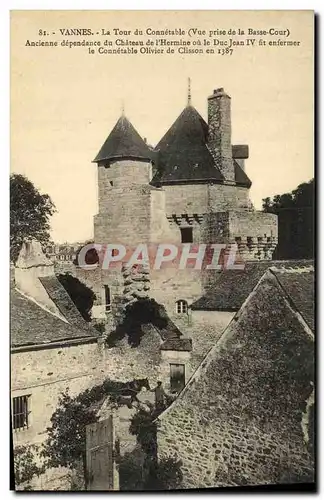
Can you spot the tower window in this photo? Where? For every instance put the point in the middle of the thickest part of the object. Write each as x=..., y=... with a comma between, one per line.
x=186, y=235
x=107, y=298
x=181, y=306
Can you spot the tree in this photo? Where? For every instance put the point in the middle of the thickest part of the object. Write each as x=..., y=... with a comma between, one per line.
x=91, y=256
x=66, y=437
x=30, y=212
x=82, y=296
x=163, y=474
x=25, y=465
x=295, y=212
x=135, y=315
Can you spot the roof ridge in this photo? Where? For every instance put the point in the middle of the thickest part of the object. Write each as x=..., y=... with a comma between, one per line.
x=292, y=270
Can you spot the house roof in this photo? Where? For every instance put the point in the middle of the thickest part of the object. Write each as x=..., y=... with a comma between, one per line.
x=123, y=142
x=226, y=295
x=177, y=344
x=31, y=324
x=298, y=285
x=63, y=301
x=267, y=330
x=183, y=154
x=168, y=330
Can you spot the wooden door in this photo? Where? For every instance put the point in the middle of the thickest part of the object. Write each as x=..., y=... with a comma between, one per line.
x=100, y=455
x=177, y=377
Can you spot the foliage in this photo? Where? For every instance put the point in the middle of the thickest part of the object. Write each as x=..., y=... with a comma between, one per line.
x=30, y=212
x=131, y=472
x=82, y=296
x=91, y=256
x=168, y=474
x=144, y=428
x=65, y=444
x=295, y=212
x=139, y=313
x=301, y=197
x=164, y=474
x=99, y=326
x=25, y=465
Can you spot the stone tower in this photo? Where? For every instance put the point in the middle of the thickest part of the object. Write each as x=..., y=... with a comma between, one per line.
x=131, y=210
x=192, y=188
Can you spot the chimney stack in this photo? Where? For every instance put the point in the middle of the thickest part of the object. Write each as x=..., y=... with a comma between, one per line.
x=31, y=265
x=219, y=132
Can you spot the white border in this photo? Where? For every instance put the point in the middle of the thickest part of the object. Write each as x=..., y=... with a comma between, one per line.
x=4, y=170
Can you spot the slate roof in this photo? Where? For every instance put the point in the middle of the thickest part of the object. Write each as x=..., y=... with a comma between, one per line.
x=232, y=286
x=123, y=142
x=63, y=301
x=183, y=154
x=177, y=345
x=169, y=331
x=298, y=285
x=296, y=280
x=30, y=324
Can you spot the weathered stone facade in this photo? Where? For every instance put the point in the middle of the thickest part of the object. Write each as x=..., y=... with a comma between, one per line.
x=149, y=196
x=245, y=415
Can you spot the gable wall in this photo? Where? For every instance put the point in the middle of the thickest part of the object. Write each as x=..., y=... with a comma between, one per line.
x=243, y=420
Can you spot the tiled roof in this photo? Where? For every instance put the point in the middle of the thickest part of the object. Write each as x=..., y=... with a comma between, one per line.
x=169, y=331
x=233, y=286
x=63, y=301
x=183, y=154
x=240, y=176
x=30, y=324
x=123, y=142
x=177, y=345
x=298, y=285
x=263, y=338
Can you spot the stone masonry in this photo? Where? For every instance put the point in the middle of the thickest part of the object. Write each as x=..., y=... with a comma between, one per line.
x=149, y=196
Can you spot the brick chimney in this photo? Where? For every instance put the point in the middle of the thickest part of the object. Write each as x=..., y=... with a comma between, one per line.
x=219, y=132
x=31, y=265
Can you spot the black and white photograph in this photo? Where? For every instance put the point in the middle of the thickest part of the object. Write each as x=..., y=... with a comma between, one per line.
x=162, y=199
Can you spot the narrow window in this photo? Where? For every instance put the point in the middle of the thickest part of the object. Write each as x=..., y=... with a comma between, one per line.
x=186, y=234
x=20, y=412
x=107, y=298
x=181, y=307
x=177, y=377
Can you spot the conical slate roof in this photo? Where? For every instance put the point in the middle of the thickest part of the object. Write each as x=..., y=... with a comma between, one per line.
x=183, y=153
x=123, y=141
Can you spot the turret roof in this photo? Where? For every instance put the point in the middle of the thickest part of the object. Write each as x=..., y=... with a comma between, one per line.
x=183, y=154
x=123, y=142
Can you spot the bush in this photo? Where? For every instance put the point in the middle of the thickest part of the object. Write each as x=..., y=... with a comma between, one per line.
x=25, y=465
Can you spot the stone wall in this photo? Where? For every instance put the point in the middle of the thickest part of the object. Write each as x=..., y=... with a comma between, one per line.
x=203, y=198
x=170, y=284
x=46, y=373
x=240, y=419
x=186, y=199
x=124, y=216
x=120, y=174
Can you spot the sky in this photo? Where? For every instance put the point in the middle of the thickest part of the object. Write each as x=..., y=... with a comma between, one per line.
x=64, y=102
